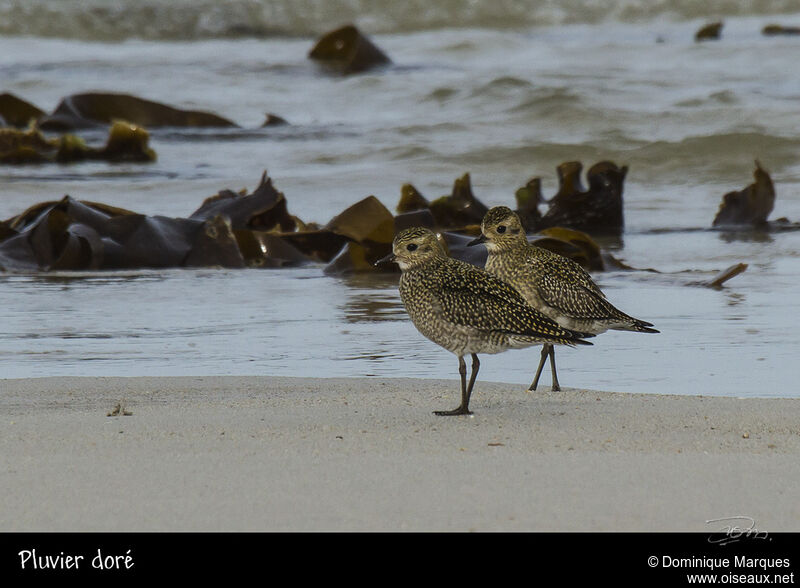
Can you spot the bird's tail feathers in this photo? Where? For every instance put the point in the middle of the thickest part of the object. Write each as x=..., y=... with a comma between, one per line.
x=643, y=327
x=635, y=325
x=577, y=338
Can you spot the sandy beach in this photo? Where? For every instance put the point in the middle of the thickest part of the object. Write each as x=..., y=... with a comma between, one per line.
x=290, y=454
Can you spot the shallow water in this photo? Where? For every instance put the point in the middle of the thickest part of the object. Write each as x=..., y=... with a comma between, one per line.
x=500, y=102
x=178, y=322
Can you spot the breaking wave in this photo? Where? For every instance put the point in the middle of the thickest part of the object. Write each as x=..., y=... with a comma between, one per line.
x=201, y=19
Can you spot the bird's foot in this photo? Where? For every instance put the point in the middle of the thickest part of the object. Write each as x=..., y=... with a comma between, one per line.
x=454, y=412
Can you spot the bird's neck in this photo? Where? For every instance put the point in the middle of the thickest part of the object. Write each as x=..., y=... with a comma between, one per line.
x=506, y=246
x=420, y=264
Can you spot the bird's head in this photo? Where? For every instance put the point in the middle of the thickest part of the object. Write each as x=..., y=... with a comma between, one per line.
x=414, y=246
x=500, y=229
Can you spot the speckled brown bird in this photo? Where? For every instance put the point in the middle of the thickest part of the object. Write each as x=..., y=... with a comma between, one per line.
x=555, y=285
x=465, y=309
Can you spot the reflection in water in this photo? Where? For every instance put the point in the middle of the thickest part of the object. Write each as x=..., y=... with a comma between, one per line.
x=370, y=281
x=745, y=235
x=610, y=242
x=371, y=297
x=81, y=279
x=735, y=298
x=373, y=306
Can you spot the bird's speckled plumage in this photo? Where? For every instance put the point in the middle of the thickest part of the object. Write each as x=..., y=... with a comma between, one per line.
x=555, y=285
x=465, y=309
x=552, y=283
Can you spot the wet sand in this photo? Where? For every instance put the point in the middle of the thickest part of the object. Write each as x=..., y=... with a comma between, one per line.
x=290, y=454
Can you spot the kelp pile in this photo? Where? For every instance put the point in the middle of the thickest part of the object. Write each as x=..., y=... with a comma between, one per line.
x=101, y=109
x=23, y=127
x=230, y=229
x=750, y=206
x=573, y=214
x=237, y=230
x=81, y=111
x=597, y=210
x=77, y=235
x=240, y=229
x=347, y=50
x=126, y=142
x=713, y=31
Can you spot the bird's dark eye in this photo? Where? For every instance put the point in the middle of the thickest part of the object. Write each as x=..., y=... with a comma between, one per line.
x=501, y=229
x=411, y=246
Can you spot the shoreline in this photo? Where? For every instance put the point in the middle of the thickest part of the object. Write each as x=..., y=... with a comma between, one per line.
x=231, y=453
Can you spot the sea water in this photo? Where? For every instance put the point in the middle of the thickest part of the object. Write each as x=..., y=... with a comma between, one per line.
x=502, y=90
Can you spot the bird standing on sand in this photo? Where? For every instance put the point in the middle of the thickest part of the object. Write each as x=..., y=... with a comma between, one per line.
x=464, y=309
x=555, y=285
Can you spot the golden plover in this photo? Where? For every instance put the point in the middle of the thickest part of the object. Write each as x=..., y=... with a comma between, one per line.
x=555, y=285
x=465, y=309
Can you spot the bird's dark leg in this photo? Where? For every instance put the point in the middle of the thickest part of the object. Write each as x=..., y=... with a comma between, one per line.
x=555, y=387
x=464, y=408
x=545, y=351
x=476, y=365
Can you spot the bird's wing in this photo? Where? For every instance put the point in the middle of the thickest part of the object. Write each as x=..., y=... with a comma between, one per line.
x=563, y=269
x=575, y=299
x=473, y=298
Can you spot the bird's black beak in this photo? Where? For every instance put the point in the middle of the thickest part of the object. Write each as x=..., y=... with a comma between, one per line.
x=388, y=259
x=477, y=241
